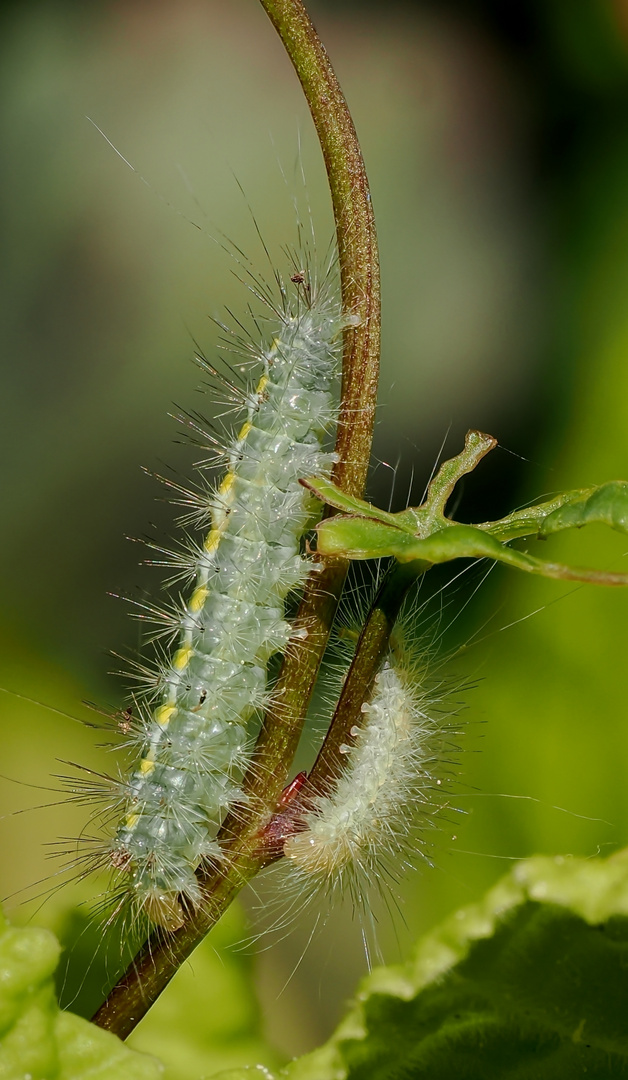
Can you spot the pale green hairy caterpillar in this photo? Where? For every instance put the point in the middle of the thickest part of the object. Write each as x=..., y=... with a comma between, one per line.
x=193, y=746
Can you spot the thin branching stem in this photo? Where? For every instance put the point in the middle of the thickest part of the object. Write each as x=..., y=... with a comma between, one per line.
x=370, y=650
x=163, y=953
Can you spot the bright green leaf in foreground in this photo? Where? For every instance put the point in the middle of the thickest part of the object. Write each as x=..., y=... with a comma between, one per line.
x=530, y=983
x=37, y=1039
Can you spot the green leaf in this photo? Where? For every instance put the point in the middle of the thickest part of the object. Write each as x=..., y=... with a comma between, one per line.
x=424, y=535
x=327, y=492
x=530, y=520
x=39, y=1041
x=360, y=538
x=607, y=505
x=529, y=983
x=88, y=1053
x=418, y=521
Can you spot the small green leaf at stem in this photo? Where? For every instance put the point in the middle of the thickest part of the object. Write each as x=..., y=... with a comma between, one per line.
x=327, y=492
x=476, y=446
x=607, y=505
x=423, y=534
x=351, y=537
x=359, y=538
x=421, y=520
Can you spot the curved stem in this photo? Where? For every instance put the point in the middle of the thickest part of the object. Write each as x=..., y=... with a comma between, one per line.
x=355, y=233
x=163, y=953
x=370, y=650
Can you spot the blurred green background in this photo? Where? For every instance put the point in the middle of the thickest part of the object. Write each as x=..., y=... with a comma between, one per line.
x=496, y=140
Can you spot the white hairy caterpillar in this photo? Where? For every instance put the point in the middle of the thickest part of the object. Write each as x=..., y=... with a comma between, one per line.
x=356, y=836
x=342, y=831
x=193, y=746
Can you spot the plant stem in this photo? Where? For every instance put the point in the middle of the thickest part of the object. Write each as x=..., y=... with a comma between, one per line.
x=355, y=232
x=370, y=650
x=163, y=953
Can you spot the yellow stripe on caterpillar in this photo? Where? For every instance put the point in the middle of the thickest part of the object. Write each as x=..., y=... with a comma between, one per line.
x=225, y=496
x=227, y=483
x=212, y=541
x=198, y=598
x=260, y=389
x=164, y=714
x=182, y=658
